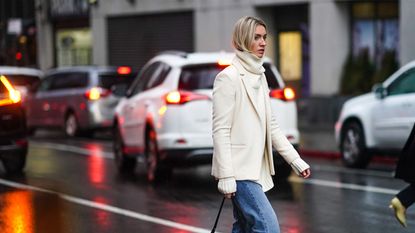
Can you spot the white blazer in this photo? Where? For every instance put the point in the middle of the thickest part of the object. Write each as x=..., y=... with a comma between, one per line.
x=237, y=127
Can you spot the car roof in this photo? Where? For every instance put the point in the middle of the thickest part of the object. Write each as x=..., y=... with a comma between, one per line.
x=12, y=70
x=82, y=68
x=178, y=58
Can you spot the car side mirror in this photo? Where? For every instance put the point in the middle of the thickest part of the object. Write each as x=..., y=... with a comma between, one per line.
x=379, y=90
x=119, y=89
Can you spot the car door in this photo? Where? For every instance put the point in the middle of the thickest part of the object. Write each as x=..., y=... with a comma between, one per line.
x=134, y=111
x=37, y=104
x=394, y=115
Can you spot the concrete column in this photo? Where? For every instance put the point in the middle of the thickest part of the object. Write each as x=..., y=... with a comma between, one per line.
x=407, y=31
x=329, y=40
x=99, y=37
x=44, y=36
x=214, y=22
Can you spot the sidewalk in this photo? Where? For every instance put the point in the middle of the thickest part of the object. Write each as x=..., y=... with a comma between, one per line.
x=318, y=142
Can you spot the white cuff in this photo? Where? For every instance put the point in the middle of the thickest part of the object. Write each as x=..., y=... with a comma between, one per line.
x=227, y=185
x=299, y=165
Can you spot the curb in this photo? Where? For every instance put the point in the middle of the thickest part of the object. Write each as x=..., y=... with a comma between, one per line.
x=334, y=155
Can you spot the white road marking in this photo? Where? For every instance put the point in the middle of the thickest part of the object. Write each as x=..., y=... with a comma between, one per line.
x=109, y=208
x=339, y=185
x=75, y=149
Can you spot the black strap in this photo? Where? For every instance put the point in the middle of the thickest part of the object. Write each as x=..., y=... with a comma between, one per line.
x=217, y=217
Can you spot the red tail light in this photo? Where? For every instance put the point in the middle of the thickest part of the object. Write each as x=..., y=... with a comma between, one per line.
x=182, y=97
x=96, y=93
x=286, y=94
x=124, y=70
x=14, y=95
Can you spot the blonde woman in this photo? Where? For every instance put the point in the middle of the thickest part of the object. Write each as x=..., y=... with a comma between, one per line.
x=244, y=132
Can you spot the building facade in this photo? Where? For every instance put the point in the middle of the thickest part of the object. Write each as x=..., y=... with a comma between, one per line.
x=310, y=41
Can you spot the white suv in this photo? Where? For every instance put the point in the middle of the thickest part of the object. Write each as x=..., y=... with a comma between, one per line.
x=166, y=114
x=378, y=122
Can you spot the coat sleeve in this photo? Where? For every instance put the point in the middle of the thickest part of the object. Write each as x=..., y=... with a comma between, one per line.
x=281, y=143
x=222, y=116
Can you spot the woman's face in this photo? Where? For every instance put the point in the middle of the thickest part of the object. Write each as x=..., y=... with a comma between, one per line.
x=259, y=42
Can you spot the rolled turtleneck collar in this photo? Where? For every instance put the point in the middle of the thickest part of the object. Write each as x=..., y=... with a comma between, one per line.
x=250, y=62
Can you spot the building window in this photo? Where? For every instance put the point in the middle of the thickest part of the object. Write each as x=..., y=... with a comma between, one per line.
x=74, y=47
x=375, y=26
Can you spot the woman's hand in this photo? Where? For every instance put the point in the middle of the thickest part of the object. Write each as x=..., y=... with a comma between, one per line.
x=306, y=173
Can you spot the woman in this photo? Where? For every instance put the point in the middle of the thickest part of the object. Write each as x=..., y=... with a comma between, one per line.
x=405, y=171
x=244, y=132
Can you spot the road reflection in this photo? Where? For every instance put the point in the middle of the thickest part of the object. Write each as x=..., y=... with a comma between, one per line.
x=17, y=212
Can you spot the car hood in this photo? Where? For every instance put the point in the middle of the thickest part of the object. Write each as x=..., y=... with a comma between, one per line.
x=360, y=100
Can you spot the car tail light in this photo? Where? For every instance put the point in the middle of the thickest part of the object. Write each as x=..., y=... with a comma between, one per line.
x=96, y=93
x=224, y=63
x=14, y=95
x=286, y=94
x=123, y=70
x=182, y=97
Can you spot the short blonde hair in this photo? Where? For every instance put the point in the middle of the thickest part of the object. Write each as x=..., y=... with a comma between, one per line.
x=244, y=32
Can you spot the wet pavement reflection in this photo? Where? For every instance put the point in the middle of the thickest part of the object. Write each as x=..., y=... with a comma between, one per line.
x=83, y=193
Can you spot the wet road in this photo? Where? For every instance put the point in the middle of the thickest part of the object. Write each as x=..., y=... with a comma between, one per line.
x=71, y=185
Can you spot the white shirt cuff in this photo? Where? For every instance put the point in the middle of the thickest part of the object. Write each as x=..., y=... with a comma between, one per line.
x=299, y=165
x=227, y=185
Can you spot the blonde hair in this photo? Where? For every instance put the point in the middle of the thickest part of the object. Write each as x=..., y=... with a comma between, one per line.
x=244, y=32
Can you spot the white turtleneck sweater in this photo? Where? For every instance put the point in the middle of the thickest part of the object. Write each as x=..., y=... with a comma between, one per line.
x=253, y=65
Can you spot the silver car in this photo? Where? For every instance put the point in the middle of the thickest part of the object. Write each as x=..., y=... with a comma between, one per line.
x=80, y=100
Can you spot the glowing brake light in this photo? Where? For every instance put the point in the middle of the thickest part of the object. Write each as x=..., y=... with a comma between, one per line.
x=182, y=97
x=96, y=93
x=286, y=94
x=14, y=95
x=124, y=70
x=224, y=62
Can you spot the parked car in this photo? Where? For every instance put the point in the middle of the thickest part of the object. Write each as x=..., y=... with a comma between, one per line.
x=78, y=100
x=166, y=114
x=378, y=122
x=22, y=78
x=13, y=137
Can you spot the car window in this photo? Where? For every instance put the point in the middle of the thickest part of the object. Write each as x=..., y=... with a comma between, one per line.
x=203, y=76
x=45, y=83
x=143, y=79
x=3, y=90
x=23, y=80
x=69, y=80
x=404, y=84
x=158, y=76
x=109, y=79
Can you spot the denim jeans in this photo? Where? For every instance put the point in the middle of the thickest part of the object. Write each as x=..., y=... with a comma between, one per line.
x=252, y=210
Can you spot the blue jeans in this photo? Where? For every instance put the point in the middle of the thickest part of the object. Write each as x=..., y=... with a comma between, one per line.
x=252, y=210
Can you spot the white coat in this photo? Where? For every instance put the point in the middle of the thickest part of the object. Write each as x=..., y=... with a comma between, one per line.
x=237, y=127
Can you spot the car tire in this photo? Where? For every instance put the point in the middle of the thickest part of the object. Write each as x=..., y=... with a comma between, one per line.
x=353, y=146
x=14, y=164
x=125, y=165
x=155, y=172
x=71, y=126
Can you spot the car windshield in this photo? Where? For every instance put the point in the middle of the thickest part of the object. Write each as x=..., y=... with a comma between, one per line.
x=23, y=80
x=202, y=77
x=107, y=80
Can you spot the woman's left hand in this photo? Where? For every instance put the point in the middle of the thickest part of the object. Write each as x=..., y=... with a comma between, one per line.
x=306, y=173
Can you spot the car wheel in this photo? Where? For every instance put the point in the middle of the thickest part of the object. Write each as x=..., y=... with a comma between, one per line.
x=155, y=171
x=15, y=163
x=125, y=165
x=353, y=146
x=71, y=125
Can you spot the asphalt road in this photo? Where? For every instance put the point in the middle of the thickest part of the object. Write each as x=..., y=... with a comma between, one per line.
x=72, y=186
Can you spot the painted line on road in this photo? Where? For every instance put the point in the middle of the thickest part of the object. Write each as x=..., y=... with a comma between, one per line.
x=339, y=185
x=109, y=208
x=75, y=149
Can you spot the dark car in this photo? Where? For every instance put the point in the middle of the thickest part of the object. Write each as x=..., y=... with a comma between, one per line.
x=13, y=136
